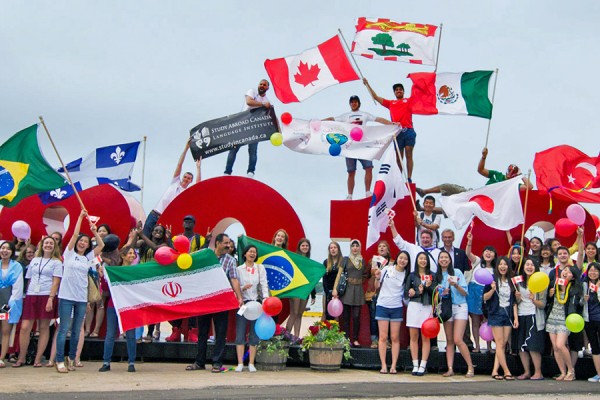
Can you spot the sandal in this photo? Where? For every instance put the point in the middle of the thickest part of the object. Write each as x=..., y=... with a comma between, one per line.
x=569, y=377
x=78, y=364
x=383, y=371
x=509, y=377
x=523, y=377
x=2, y=365
x=393, y=372
x=94, y=334
x=147, y=339
x=216, y=370
x=470, y=374
x=60, y=368
x=18, y=364
x=561, y=377
x=50, y=364
x=37, y=365
x=194, y=367
x=448, y=373
x=498, y=377
x=12, y=358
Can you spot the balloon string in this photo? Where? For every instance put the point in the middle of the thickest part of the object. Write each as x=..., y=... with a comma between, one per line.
x=587, y=185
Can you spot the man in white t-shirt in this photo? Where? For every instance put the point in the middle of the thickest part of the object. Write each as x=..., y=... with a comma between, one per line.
x=254, y=98
x=428, y=220
x=176, y=186
x=357, y=117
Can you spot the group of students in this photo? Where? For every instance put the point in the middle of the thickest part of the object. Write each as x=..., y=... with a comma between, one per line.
x=523, y=322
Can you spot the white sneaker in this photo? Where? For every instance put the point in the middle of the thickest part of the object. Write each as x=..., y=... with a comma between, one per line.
x=349, y=197
x=251, y=368
x=594, y=379
x=250, y=174
x=369, y=194
x=211, y=339
x=239, y=368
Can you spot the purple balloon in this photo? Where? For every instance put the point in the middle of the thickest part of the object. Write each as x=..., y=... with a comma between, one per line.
x=335, y=308
x=21, y=230
x=483, y=276
x=576, y=214
x=485, y=332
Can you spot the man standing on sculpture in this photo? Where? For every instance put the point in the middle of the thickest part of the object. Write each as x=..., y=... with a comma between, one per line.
x=254, y=98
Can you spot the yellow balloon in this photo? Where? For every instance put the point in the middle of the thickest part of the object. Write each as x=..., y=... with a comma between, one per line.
x=538, y=282
x=276, y=139
x=184, y=261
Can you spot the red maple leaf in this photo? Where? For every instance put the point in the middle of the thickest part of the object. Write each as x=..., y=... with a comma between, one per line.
x=307, y=75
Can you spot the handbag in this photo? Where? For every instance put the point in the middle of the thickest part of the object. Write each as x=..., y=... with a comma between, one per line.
x=343, y=282
x=443, y=308
x=94, y=295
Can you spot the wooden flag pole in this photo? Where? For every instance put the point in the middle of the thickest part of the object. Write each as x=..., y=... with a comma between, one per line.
x=403, y=172
x=354, y=60
x=487, y=136
x=525, y=209
x=63, y=164
x=438, y=49
x=143, y=171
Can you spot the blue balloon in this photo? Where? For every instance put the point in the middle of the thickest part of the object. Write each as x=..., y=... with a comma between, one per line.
x=264, y=327
x=335, y=149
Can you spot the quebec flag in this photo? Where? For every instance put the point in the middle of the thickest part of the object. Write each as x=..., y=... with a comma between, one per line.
x=110, y=164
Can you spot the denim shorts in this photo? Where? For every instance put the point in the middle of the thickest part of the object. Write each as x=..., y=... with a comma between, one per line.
x=406, y=137
x=388, y=314
x=351, y=164
x=500, y=318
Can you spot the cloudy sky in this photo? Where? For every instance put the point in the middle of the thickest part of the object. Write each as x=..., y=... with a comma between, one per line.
x=105, y=72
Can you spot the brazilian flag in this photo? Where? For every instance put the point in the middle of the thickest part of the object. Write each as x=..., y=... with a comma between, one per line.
x=23, y=169
x=289, y=274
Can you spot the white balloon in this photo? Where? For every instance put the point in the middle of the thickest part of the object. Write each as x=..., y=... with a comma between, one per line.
x=253, y=310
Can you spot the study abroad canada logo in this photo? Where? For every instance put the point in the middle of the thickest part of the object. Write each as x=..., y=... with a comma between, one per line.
x=446, y=95
x=202, y=137
x=172, y=289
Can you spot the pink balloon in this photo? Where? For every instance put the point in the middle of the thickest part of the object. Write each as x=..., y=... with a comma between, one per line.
x=21, y=230
x=165, y=255
x=483, y=276
x=485, y=331
x=335, y=308
x=315, y=124
x=565, y=227
x=576, y=214
x=356, y=134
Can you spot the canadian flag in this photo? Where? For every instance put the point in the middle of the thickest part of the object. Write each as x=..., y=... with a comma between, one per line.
x=497, y=205
x=298, y=77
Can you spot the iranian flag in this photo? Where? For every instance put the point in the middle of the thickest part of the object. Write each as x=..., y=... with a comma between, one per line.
x=462, y=93
x=298, y=77
x=151, y=293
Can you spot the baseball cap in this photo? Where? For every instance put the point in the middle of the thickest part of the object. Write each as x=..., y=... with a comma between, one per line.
x=190, y=217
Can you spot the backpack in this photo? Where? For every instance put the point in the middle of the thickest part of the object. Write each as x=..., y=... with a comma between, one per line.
x=433, y=217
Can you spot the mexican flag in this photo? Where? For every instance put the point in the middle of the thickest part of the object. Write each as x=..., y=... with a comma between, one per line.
x=462, y=93
x=288, y=274
x=298, y=77
x=151, y=293
x=23, y=169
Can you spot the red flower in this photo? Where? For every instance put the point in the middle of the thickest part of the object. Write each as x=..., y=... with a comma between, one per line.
x=278, y=329
x=327, y=324
x=314, y=330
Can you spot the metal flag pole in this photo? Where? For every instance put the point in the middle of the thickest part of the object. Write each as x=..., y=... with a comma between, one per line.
x=143, y=171
x=487, y=136
x=354, y=60
x=62, y=164
x=437, y=56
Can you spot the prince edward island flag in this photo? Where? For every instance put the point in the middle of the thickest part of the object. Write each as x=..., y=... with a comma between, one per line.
x=288, y=274
x=23, y=169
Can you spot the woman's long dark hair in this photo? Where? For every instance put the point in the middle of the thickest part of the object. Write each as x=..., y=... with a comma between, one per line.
x=439, y=275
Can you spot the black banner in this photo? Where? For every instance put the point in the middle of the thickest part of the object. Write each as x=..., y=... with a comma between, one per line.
x=221, y=134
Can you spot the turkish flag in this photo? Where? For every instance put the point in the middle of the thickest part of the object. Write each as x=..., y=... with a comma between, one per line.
x=567, y=171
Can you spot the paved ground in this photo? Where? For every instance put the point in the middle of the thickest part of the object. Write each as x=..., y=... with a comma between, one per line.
x=171, y=381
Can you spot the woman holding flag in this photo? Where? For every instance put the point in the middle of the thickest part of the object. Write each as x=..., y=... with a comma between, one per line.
x=499, y=297
x=11, y=293
x=73, y=291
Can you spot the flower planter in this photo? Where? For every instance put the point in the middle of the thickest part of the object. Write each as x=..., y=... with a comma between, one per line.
x=325, y=358
x=274, y=361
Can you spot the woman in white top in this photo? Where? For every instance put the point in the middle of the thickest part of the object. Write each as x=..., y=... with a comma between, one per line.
x=388, y=312
x=253, y=282
x=43, y=275
x=11, y=293
x=73, y=292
